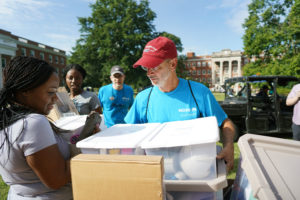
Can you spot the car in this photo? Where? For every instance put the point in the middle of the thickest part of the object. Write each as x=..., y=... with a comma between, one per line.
x=257, y=114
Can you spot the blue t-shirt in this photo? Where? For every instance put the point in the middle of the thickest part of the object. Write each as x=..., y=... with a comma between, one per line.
x=176, y=105
x=115, y=103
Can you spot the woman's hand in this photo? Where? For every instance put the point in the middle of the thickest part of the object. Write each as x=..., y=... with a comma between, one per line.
x=97, y=128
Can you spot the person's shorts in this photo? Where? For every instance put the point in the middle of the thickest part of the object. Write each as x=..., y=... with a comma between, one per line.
x=296, y=131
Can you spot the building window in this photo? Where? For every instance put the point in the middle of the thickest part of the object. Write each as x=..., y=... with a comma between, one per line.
x=23, y=52
x=234, y=69
x=56, y=59
x=194, y=72
x=203, y=64
x=50, y=59
x=3, y=62
x=208, y=71
x=204, y=79
x=198, y=64
x=226, y=69
x=32, y=53
x=194, y=64
x=208, y=63
x=199, y=72
x=204, y=72
x=209, y=80
x=62, y=61
x=42, y=56
x=188, y=73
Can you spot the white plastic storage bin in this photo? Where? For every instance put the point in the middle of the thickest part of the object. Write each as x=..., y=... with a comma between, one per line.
x=188, y=148
x=74, y=123
x=268, y=168
x=118, y=139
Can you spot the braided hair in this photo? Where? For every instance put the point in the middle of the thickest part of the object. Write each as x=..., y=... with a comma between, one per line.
x=21, y=74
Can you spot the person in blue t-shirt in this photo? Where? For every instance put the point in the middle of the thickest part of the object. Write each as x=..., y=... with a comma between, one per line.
x=173, y=99
x=115, y=98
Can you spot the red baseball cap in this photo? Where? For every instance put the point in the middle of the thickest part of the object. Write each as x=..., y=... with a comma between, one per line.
x=156, y=51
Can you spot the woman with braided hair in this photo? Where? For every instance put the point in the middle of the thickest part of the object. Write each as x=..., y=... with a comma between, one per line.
x=34, y=158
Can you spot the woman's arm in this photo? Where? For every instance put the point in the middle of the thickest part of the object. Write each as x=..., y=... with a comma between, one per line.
x=50, y=167
x=293, y=100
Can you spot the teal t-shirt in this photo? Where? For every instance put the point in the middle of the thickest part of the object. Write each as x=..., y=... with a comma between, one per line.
x=176, y=105
x=115, y=103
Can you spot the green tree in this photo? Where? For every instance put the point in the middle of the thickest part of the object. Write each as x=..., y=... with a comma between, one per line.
x=272, y=32
x=180, y=70
x=115, y=34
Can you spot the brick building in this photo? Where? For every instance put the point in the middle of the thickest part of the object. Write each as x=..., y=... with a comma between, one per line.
x=12, y=45
x=214, y=69
x=198, y=68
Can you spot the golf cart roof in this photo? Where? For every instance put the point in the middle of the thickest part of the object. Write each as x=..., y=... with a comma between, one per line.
x=257, y=78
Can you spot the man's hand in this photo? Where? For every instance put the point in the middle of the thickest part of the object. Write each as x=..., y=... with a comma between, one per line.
x=227, y=154
x=228, y=132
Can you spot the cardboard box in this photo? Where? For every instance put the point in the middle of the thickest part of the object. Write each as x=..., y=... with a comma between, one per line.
x=117, y=177
x=268, y=168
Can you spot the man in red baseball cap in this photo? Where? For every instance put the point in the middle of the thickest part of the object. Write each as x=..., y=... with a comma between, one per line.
x=174, y=99
x=160, y=55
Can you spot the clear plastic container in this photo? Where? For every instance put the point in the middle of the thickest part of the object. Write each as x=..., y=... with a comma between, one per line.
x=195, y=162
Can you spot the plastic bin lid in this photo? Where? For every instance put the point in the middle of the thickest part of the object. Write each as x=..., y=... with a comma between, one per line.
x=184, y=133
x=71, y=122
x=119, y=136
x=271, y=166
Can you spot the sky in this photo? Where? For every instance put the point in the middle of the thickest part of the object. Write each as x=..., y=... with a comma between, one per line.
x=204, y=26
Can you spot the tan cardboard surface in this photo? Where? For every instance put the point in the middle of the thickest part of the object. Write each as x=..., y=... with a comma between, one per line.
x=96, y=176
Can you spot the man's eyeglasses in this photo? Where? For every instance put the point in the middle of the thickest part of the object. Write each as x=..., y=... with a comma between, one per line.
x=146, y=69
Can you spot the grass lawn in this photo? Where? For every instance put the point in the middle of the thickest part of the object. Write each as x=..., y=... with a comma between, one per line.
x=3, y=190
x=232, y=174
x=219, y=96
